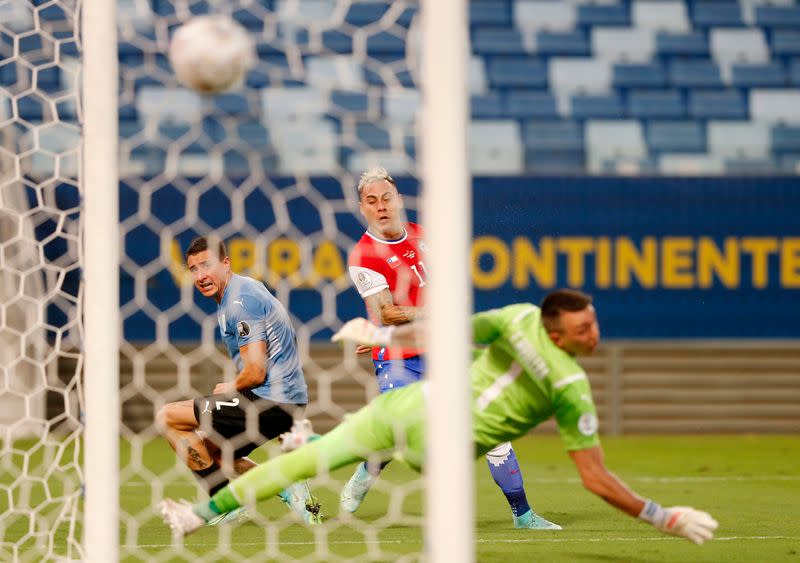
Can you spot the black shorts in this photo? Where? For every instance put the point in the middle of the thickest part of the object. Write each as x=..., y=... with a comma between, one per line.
x=243, y=421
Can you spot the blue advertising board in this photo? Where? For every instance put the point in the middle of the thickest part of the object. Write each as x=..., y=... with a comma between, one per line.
x=664, y=258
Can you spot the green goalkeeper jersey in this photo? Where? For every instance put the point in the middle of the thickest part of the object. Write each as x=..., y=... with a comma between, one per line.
x=521, y=378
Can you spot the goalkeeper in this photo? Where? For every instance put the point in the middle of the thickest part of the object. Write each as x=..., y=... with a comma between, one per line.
x=526, y=374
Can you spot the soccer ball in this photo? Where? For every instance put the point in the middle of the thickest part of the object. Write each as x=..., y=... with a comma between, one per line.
x=211, y=54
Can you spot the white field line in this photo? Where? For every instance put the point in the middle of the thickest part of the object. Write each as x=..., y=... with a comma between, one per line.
x=483, y=541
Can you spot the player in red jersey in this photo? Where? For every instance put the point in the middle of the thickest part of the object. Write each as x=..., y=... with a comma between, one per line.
x=388, y=269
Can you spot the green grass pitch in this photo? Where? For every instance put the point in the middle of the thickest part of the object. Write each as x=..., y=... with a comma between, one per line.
x=751, y=484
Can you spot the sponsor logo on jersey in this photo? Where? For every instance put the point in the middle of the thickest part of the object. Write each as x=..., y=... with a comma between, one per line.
x=240, y=302
x=587, y=424
x=364, y=281
x=243, y=328
x=393, y=262
x=409, y=254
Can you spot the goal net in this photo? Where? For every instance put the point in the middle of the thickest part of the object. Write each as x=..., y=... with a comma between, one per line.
x=271, y=169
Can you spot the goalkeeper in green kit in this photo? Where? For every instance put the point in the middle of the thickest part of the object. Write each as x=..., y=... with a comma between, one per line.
x=526, y=374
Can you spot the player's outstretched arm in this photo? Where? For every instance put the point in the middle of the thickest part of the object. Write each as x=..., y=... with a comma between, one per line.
x=361, y=331
x=684, y=521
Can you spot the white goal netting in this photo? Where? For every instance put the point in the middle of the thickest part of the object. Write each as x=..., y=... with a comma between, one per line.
x=270, y=168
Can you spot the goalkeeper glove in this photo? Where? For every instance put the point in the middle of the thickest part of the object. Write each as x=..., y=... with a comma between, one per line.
x=683, y=521
x=361, y=331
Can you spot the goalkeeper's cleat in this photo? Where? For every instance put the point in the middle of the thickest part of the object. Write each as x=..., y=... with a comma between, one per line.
x=299, y=499
x=180, y=517
x=532, y=521
x=356, y=489
x=235, y=515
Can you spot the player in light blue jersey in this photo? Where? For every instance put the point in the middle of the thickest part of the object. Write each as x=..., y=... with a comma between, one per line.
x=269, y=390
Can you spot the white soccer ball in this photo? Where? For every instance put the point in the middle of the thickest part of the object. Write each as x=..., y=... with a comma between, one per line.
x=211, y=53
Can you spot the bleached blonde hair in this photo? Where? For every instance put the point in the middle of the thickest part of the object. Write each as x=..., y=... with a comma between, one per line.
x=374, y=174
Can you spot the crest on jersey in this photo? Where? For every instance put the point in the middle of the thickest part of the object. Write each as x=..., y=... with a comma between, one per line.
x=242, y=328
x=364, y=281
x=393, y=262
x=587, y=424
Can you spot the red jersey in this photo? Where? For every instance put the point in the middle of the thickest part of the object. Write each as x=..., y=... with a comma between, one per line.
x=397, y=265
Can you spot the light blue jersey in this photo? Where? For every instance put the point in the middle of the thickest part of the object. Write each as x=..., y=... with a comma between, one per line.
x=249, y=312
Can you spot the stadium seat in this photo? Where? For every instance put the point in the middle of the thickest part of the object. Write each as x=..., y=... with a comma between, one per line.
x=551, y=136
x=717, y=104
x=652, y=104
x=550, y=15
x=750, y=166
x=350, y=102
x=307, y=146
x=233, y=104
x=524, y=104
x=373, y=135
x=794, y=71
x=554, y=162
x=398, y=162
x=786, y=42
x=715, y=13
x=514, y=72
x=609, y=15
x=785, y=139
x=497, y=41
x=16, y=16
x=775, y=106
x=168, y=104
x=401, y=105
x=364, y=13
x=743, y=139
x=694, y=73
x=478, y=83
x=490, y=13
x=639, y=75
x=597, y=107
x=753, y=75
x=613, y=141
x=669, y=15
x=253, y=134
x=495, y=148
x=573, y=43
x=569, y=76
x=693, y=43
x=629, y=45
x=676, y=137
x=489, y=106
x=336, y=71
x=778, y=16
x=281, y=104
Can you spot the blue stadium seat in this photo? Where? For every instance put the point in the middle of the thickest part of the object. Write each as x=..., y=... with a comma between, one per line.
x=365, y=13
x=373, y=135
x=385, y=42
x=750, y=75
x=717, y=104
x=716, y=14
x=750, y=166
x=675, y=136
x=778, y=16
x=694, y=74
x=593, y=107
x=638, y=75
x=603, y=14
x=490, y=12
x=497, y=41
x=233, y=104
x=693, y=43
x=785, y=139
x=565, y=43
x=794, y=71
x=249, y=20
x=488, y=106
x=786, y=42
x=553, y=136
x=505, y=72
x=337, y=41
x=351, y=102
x=654, y=104
x=554, y=162
x=253, y=134
x=525, y=104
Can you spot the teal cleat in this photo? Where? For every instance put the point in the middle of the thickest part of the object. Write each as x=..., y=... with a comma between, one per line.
x=298, y=497
x=356, y=489
x=235, y=515
x=532, y=521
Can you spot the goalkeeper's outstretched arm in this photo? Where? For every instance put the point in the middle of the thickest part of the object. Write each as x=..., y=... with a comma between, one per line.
x=683, y=521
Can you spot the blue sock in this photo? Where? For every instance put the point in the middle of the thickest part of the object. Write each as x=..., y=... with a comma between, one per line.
x=506, y=472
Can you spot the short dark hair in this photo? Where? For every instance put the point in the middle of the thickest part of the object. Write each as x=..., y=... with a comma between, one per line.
x=562, y=300
x=202, y=243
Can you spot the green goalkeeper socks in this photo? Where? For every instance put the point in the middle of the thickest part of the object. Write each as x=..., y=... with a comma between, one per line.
x=211, y=509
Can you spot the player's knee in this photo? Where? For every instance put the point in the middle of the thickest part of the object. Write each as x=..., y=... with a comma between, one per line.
x=166, y=417
x=499, y=454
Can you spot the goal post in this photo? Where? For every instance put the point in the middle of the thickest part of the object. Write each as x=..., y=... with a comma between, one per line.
x=100, y=181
